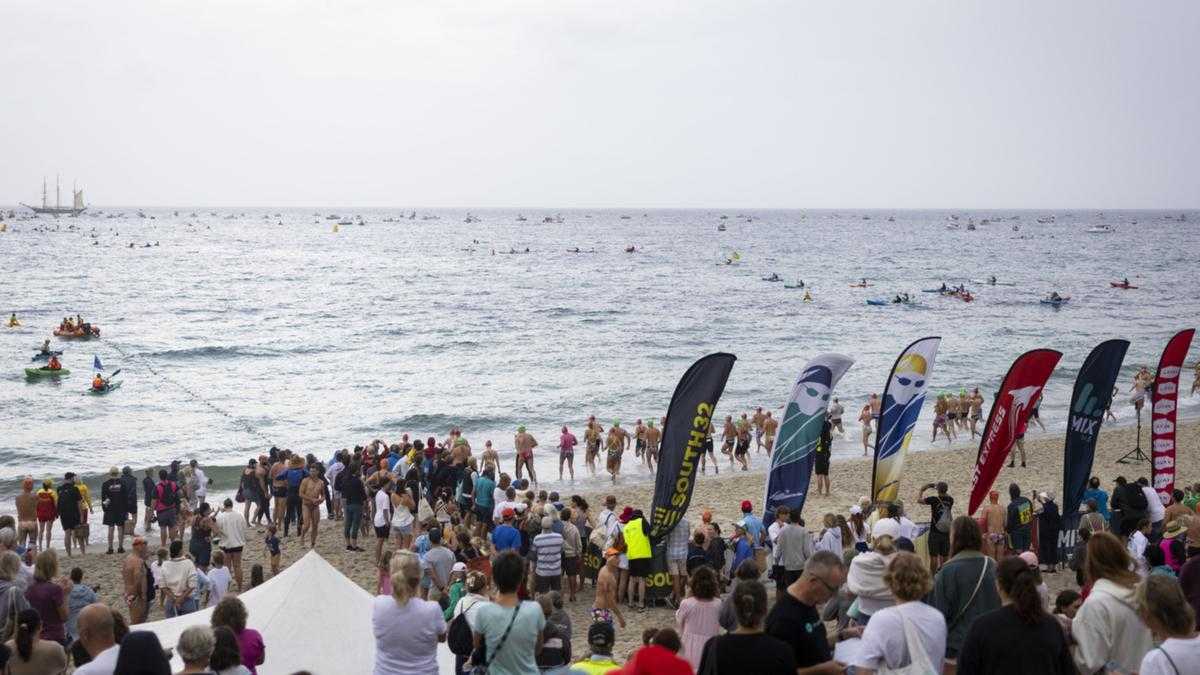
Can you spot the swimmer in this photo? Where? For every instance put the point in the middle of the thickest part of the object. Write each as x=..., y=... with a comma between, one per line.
x=976, y=410
x=639, y=439
x=770, y=428
x=864, y=418
x=653, y=438
x=743, y=442
x=873, y=401
x=591, y=439
x=1142, y=382
x=728, y=436
x=12, y=321
x=757, y=421
x=940, y=409
x=709, y=454
x=616, y=444
x=524, y=443
x=836, y=410
x=1033, y=411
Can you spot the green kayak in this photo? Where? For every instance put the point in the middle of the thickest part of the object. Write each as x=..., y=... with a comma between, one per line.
x=45, y=372
x=100, y=392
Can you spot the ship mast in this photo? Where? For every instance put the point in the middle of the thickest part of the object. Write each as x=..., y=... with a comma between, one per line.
x=44, y=202
x=57, y=192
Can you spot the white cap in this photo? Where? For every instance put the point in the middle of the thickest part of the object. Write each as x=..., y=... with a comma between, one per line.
x=520, y=507
x=855, y=510
x=886, y=527
x=459, y=567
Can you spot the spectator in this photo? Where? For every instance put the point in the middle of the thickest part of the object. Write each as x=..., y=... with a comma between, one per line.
x=1189, y=580
x=756, y=533
x=1094, y=492
x=506, y=537
x=29, y=652
x=116, y=511
x=97, y=636
x=888, y=641
x=572, y=552
x=965, y=587
x=232, y=526
x=795, y=621
x=747, y=571
x=743, y=549
x=195, y=648
x=48, y=596
x=1049, y=524
x=80, y=596
x=1019, y=637
x=1092, y=520
x=658, y=655
x=747, y=649
x=230, y=613
x=555, y=655
x=1165, y=610
x=142, y=653
x=940, y=506
x=696, y=553
x=637, y=542
x=226, y=658
x=677, y=556
x=1156, y=513
x=219, y=579
x=439, y=561
x=698, y=614
x=795, y=546
x=1106, y=627
x=12, y=596
x=831, y=535
x=510, y=628
x=1019, y=523
x=179, y=581
x=407, y=629
x=600, y=640
x=1129, y=506
x=866, y=575
x=548, y=555
x=354, y=494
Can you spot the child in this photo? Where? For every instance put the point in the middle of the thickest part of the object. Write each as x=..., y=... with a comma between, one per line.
x=458, y=575
x=82, y=530
x=256, y=575
x=219, y=577
x=273, y=550
x=556, y=645
x=384, y=585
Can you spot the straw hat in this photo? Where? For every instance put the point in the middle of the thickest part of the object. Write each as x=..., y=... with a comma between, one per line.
x=1174, y=529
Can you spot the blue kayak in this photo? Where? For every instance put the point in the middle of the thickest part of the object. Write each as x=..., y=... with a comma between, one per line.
x=1055, y=303
x=43, y=357
x=879, y=303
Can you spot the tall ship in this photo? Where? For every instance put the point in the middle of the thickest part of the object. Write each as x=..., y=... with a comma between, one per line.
x=77, y=207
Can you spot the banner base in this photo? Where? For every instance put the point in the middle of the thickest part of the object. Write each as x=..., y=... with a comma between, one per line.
x=1135, y=456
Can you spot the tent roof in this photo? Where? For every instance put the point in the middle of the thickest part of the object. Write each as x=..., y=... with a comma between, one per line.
x=311, y=616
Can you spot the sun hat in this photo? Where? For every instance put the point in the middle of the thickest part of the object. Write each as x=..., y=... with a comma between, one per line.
x=626, y=514
x=886, y=527
x=1174, y=529
x=114, y=471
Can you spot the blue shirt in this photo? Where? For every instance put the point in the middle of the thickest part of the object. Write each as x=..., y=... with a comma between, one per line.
x=392, y=461
x=484, y=488
x=506, y=537
x=422, y=546
x=741, y=551
x=294, y=476
x=1101, y=498
x=754, y=528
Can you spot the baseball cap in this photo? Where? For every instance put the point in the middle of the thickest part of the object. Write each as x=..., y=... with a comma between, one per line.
x=740, y=524
x=459, y=567
x=507, y=513
x=626, y=514
x=746, y=505
x=855, y=510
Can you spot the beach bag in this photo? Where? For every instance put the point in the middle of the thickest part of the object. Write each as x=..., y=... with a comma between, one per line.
x=943, y=522
x=459, y=636
x=918, y=660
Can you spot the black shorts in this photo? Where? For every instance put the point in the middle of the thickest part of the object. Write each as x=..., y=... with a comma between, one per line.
x=951, y=416
x=708, y=445
x=742, y=447
x=114, y=518
x=279, y=492
x=1033, y=412
x=544, y=584
x=570, y=566
x=166, y=517
x=382, y=531
x=232, y=549
x=639, y=568
x=822, y=464
x=484, y=513
x=938, y=543
x=779, y=574
x=640, y=445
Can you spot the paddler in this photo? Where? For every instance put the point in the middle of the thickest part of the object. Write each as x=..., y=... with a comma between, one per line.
x=1125, y=282
x=1054, y=296
x=98, y=383
x=45, y=347
x=53, y=363
x=12, y=321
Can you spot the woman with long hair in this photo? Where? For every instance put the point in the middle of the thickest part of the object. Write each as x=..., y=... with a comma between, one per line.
x=30, y=654
x=747, y=649
x=1019, y=637
x=865, y=577
x=1163, y=606
x=1107, y=628
x=48, y=595
x=698, y=615
x=231, y=613
x=226, y=656
x=200, y=544
x=965, y=586
x=859, y=532
x=885, y=641
x=407, y=629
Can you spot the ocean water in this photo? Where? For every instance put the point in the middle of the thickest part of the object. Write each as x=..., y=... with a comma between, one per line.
x=234, y=334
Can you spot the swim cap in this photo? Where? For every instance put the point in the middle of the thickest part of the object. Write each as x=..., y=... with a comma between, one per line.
x=650, y=423
x=616, y=423
x=521, y=429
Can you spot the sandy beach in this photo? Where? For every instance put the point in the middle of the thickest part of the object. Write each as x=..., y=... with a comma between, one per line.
x=722, y=495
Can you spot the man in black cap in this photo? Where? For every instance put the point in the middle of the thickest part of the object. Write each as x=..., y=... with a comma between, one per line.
x=600, y=639
x=1129, y=506
x=68, y=508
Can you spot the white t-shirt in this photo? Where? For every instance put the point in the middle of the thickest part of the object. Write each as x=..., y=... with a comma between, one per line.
x=201, y=483
x=220, y=579
x=883, y=642
x=907, y=528
x=233, y=529
x=500, y=506
x=1184, y=653
x=1155, y=511
x=104, y=663
x=406, y=638
x=332, y=472
x=383, y=502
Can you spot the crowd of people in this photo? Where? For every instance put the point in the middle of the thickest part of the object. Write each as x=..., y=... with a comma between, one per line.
x=491, y=565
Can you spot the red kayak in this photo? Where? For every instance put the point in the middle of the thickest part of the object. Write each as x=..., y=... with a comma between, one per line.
x=1118, y=284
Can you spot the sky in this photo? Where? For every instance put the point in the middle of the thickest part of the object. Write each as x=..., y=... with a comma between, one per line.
x=914, y=104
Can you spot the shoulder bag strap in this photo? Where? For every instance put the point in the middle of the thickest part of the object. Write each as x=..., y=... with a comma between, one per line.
x=1169, y=659
x=503, y=638
x=982, y=574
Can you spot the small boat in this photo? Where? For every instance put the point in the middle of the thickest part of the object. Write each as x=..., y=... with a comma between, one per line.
x=799, y=284
x=1100, y=229
x=111, y=386
x=40, y=356
x=773, y=277
x=631, y=249
x=1057, y=303
x=721, y=227
x=879, y=303
x=78, y=333
x=35, y=373
x=859, y=285
x=1122, y=284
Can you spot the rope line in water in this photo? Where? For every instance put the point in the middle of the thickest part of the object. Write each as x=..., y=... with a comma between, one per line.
x=234, y=420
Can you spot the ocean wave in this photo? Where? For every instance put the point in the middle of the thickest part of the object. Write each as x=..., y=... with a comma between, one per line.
x=437, y=423
x=217, y=352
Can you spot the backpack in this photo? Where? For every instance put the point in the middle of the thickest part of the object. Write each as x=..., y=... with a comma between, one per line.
x=943, y=522
x=459, y=636
x=168, y=494
x=1137, y=499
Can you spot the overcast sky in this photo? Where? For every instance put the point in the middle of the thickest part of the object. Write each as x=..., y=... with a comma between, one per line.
x=960, y=103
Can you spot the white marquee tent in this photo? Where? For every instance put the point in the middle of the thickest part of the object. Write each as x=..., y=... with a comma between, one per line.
x=311, y=618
